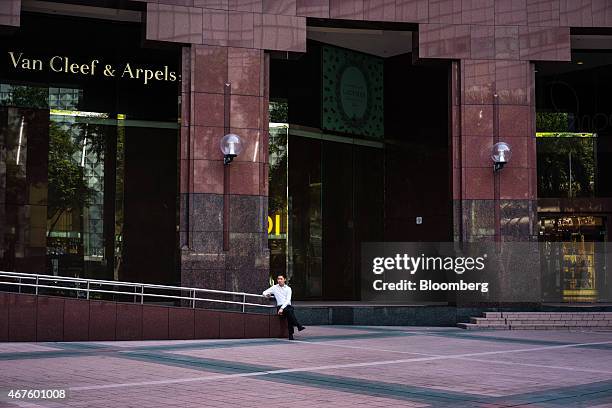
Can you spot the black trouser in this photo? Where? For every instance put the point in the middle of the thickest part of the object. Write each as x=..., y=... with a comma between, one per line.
x=292, y=321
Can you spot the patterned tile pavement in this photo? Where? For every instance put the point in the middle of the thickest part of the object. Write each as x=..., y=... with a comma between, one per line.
x=339, y=366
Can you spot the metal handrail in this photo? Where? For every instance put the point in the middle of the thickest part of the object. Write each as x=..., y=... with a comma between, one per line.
x=135, y=293
x=120, y=283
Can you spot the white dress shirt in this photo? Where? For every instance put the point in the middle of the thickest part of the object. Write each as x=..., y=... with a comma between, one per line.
x=282, y=294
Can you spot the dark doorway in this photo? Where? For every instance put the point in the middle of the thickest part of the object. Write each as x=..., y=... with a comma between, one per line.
x=361, y=169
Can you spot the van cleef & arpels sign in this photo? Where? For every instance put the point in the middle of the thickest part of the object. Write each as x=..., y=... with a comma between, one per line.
x=94, y=67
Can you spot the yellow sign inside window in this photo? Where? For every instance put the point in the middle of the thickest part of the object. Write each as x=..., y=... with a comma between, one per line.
x=274, y=224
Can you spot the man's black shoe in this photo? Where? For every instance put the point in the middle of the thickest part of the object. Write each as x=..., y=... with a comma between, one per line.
x=291, y=337
x=301, y=328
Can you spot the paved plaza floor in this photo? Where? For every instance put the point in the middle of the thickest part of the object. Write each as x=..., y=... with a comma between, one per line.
x=327, y=366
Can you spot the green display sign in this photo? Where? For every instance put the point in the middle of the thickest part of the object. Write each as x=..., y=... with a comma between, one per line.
x=352, y=92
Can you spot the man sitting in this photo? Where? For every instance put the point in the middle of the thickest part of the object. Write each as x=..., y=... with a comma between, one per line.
x=282, y=294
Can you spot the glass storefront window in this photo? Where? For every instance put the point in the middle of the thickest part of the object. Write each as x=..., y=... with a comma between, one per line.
x=294, y=221
x=277, y=195
x=76, y=197
x=573, y=139
x=88, y=169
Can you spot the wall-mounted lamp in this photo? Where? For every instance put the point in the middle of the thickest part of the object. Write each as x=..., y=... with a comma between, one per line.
x=231, y=146
x=500, y=154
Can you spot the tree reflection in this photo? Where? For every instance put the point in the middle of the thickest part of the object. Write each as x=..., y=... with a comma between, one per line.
x=566, y=160
x=67, y=187
x=277, y=176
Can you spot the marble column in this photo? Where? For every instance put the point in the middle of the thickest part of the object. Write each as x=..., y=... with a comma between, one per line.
x=207, y=108
x=225, y=79
x=492, y=102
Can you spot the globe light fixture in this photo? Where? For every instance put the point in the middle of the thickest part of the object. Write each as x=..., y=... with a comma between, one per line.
x=231, y=146
x=500, y=154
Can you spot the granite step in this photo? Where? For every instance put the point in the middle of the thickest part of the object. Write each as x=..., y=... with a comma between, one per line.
x=540, y=321
x=474, y=326
x=487, y=320
x=563, y=315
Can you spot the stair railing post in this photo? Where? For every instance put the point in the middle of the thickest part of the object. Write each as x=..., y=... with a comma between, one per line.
x=87, y=291
x=141, y=294
x=193, y=298
x=37, y=284
x=243, y=301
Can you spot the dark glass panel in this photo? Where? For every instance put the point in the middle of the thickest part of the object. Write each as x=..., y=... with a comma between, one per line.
x=277, y=190
x=338, y=223
x=24, y=134
x=368, y=211
x=150, y=190
x=305, y=217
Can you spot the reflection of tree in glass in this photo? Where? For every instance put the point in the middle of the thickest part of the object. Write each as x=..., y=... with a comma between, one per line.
x=28, y=97
x=552, y=122
x=279, y=112
x=67, y=187
x=554, y=155
x=277, y=200
x=119, y=176
x=277, y=176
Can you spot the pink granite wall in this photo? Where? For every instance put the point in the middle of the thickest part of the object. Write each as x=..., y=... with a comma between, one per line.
x=493, y=43
x=25, y=317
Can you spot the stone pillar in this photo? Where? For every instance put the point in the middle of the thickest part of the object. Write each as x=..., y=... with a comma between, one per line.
x=493, y=45
x=493, y=102
x=225, y=45
x=208, y=71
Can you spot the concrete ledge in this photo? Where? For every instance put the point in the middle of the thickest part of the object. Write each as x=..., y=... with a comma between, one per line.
x=365, y=314
x=27, y=317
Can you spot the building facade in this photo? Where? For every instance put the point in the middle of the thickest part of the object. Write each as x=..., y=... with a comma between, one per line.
x=326, y=165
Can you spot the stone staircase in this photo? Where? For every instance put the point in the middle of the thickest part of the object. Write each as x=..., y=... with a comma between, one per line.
x=540, y=321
